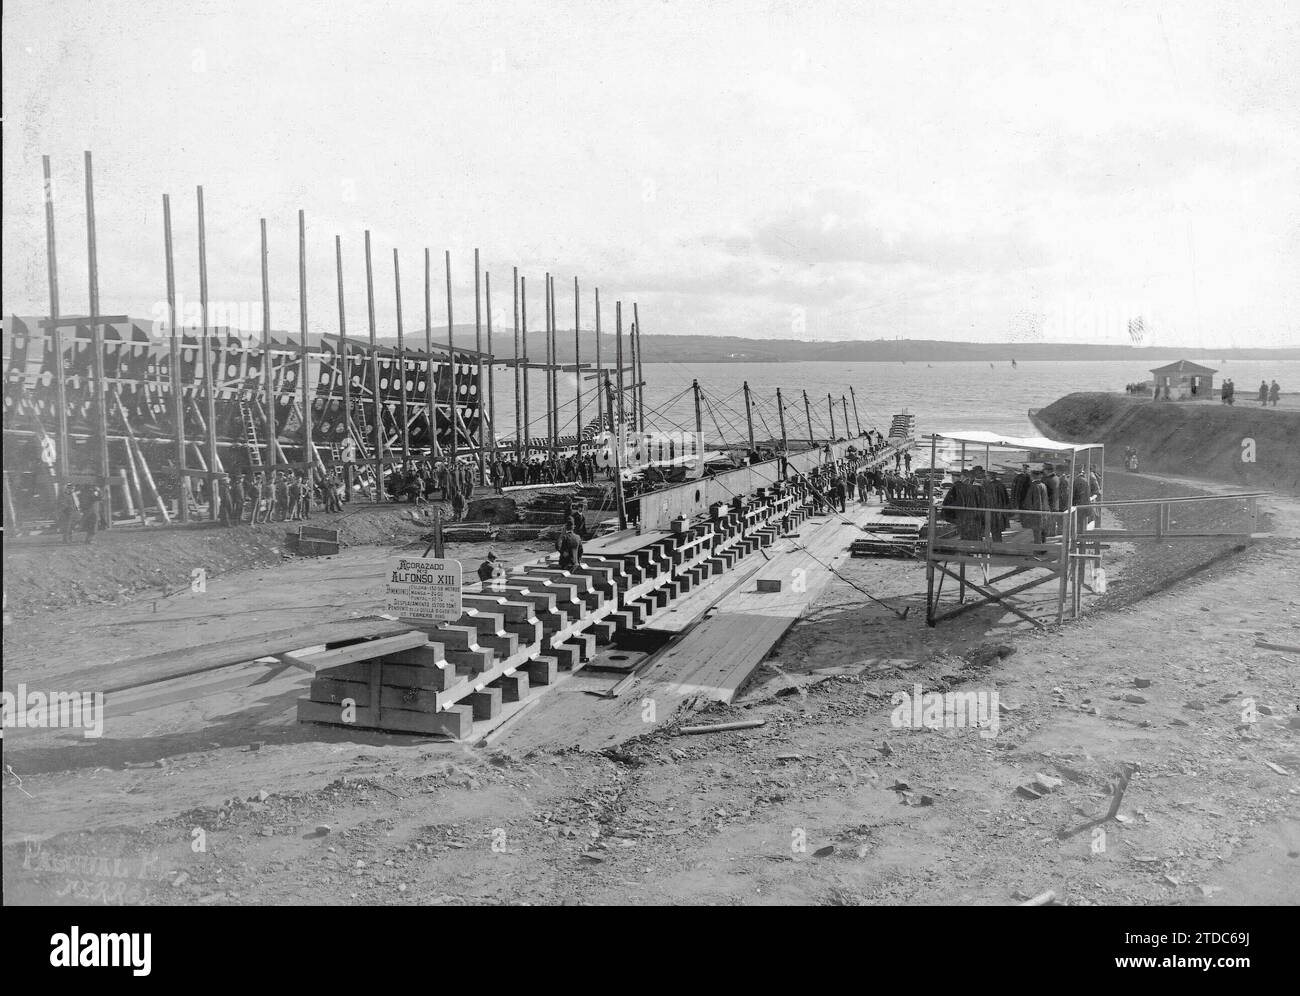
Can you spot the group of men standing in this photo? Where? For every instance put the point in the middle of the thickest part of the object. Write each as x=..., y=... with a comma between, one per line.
x=283, y=496
x=982, y=506
x=84, y=511
x=509, y=472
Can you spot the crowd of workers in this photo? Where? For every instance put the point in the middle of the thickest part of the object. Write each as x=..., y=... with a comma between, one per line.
x=982, y=506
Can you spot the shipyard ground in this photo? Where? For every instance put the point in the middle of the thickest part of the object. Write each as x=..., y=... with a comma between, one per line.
x=828, y=803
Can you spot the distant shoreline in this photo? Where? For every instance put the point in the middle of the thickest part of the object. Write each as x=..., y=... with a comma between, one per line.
x=1287, y=355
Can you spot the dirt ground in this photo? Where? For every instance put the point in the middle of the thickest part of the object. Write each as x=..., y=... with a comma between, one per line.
x=225, y=799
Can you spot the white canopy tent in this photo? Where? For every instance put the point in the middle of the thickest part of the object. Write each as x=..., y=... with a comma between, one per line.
x=991, y=439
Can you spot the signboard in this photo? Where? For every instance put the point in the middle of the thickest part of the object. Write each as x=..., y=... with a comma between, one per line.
x=424, y=590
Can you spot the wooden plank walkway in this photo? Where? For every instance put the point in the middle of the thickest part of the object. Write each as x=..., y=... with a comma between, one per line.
x=715, y=658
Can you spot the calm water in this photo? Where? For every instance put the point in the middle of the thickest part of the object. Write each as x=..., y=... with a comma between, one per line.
x=943, y=396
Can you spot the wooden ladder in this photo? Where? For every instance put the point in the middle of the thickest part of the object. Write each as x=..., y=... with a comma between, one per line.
x=250, y=435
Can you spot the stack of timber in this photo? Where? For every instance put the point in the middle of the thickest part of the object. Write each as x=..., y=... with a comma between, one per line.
x=314, y=541
x=523, y=630
x=550, y=508
x=903, y=426
x=890, y=537
x=466, y=532
x=907, y=506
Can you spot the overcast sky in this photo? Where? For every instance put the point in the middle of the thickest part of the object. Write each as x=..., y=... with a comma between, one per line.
x=819, y=170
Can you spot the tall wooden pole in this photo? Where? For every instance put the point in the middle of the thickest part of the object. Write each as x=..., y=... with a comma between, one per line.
x=174, y=372
x=401, y=360
x=451, y=359
x=209, y=387
x=830, y=404
x=856, y=420
x=56, y=335
x=478, y=371
x=639, y=364
x=344, y=360
x=304, y=375
x=785, y=446
x=749, y=419
x=97, y=347
x=523, y=311
x=377, y=414
x=519, y=437
x=615, y=445
x=546, y=367
x=577, y=371
x=555, y=373
x=600, y=394
x=807, y=412
x=491, y=389
x=780, y=411
x=618, y=364
x=699, y=416
x=617, y=435
x=430, y=398
x=271, y=445
x=631, y=343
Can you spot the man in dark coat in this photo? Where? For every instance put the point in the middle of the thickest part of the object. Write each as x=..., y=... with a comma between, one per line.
x=92, y=511
x=1036, y=502
x=996, y=497
x=964, y=505
x=837, y=494
x=1053, y=485
x=1020, y=486
x=489, y=569
x=569, y=546
x=237, y=498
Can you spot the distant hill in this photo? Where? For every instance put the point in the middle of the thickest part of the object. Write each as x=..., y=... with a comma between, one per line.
x=734, y=349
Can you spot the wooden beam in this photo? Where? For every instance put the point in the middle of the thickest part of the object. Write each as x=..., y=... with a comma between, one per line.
x=97, y=346
x=491, y=384
x=451, y=358
x=60, y=384
x=304, y=374
x=377, y=412
x=577, y=359
x=430, y=381
x=344, y=360
x=210, y=426
x=517, y=368
x=600, y=394
x=523, y=310
x=178, y=389
x=478, y=367
x=401, y=363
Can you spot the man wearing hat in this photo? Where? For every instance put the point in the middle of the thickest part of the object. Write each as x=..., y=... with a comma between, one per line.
x=92, y=511
x=569, y=547
x=1053, y=485
x=996, y=498
x=964, y=505
x=1035, y=504
x=489, y=569
x=1020, y=486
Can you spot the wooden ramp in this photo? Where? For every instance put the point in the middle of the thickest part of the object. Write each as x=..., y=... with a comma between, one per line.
x=714, y=659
